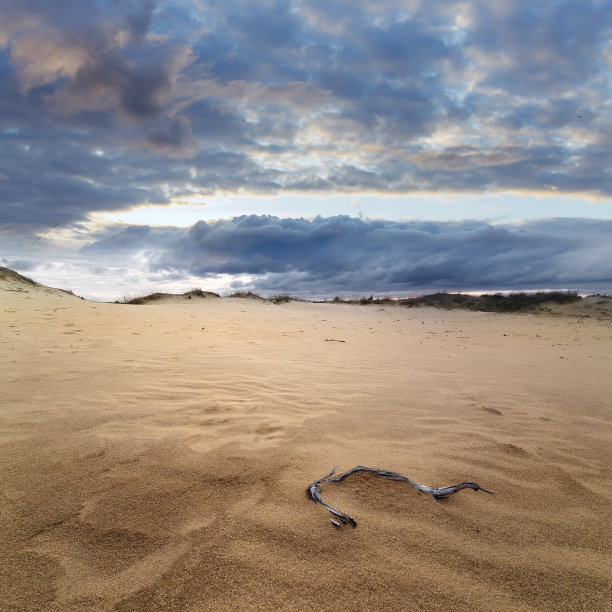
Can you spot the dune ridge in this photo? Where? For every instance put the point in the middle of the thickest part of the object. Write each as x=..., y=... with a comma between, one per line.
x=155, y=457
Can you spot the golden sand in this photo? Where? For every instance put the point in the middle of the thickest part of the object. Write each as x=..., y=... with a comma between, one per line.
x=156, y=457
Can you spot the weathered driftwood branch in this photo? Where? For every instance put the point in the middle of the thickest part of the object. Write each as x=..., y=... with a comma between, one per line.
x=314, y=489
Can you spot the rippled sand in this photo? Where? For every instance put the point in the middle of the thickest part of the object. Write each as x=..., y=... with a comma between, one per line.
x=156, y=457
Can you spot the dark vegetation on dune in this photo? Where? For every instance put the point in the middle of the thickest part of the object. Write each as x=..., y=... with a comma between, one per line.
x=487, y=302
x=513, y=302
x=8, y=274
x=246, y=295
x=153, y=297
x=497, y=302
x=277, y=298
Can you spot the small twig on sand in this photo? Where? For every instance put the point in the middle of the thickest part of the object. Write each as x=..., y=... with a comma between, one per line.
x=333, y=340
x=314, y=489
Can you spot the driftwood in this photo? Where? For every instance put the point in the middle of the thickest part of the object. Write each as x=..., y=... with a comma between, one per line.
x=314, y=489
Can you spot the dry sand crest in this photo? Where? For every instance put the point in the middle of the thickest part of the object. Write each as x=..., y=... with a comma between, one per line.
x=155, y=457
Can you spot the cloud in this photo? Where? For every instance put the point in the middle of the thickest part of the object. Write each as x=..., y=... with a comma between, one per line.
x=536, y=48
x=330, y=97
x=349, y=255
x=174, y=136
x=139, y=87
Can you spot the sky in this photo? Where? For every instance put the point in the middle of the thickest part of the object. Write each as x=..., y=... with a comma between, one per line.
x=319, y=148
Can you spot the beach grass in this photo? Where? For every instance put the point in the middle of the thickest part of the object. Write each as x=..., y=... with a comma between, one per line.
x=497, y=302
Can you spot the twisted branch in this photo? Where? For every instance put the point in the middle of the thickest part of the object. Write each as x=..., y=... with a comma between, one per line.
x=314, y=489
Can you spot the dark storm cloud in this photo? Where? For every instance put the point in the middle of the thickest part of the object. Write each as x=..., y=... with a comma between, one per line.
x=139, y=85
x=344, y=254
x=106, y=104
x=139, y=15
x=173, y=135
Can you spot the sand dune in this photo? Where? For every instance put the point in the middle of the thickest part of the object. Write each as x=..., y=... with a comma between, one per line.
x=156, y=457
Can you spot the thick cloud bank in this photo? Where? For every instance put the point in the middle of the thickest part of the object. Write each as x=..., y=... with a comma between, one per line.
x=333, y=255
x=108, y=104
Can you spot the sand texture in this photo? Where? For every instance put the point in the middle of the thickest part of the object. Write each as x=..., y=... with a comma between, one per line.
x=156, y=457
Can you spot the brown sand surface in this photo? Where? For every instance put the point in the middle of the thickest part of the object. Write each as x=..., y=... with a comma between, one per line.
x=156, y=457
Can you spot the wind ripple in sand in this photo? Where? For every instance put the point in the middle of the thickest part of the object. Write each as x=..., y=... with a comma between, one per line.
x=165, y=470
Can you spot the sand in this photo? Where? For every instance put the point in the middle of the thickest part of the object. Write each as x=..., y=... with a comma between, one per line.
x=155, y=457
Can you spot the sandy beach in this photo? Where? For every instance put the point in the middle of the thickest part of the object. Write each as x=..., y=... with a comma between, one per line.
x=156, y=456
